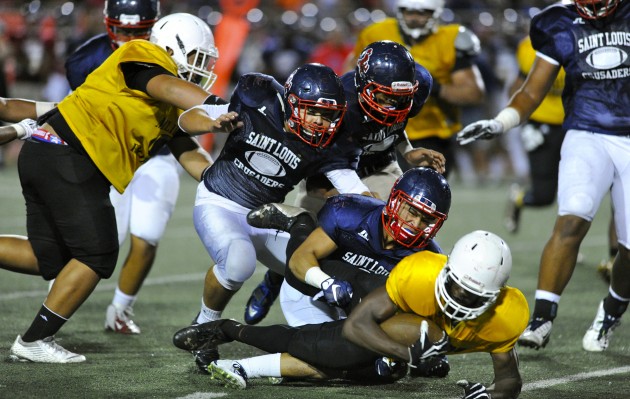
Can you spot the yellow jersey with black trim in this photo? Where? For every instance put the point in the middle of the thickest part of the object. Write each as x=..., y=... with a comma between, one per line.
x=120, y=128
x=411, y=286
x=437, y=54
x=550, y=109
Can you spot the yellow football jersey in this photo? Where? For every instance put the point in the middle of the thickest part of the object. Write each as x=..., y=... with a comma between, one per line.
x=550, y=110
x=437, y=54
x=116, y=125
x=411, y=286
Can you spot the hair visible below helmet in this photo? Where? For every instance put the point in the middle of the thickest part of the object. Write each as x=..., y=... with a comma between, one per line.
x=314, y=86
x=435, y=6
x=429, y=193
x=386, y=67
x=187, y=36
x=130, y=19
x=595, y=9
x=477, y=268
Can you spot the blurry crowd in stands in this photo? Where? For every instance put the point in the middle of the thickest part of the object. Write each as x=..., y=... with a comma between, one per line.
x=277, y=35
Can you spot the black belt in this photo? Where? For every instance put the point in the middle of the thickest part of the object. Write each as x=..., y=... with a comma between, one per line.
x=376, y=163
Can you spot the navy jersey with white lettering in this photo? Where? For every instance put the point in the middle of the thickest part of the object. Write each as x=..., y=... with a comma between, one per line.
x=596, y=58
x=354, y=223
x=378, y=142
x=87, y=58
x=261, y=162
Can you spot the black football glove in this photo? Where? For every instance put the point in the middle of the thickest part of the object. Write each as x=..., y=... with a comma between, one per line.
x=424, y=348
x=474, y=390
x=431, y=367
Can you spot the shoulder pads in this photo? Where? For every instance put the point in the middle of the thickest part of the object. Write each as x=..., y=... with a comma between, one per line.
x=467, y=42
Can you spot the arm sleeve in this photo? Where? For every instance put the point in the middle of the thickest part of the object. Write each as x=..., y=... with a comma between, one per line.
x=346, y=181
x=138, y=74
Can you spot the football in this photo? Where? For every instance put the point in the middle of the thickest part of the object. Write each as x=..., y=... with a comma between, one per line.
x=405, y=328
x=264, y=163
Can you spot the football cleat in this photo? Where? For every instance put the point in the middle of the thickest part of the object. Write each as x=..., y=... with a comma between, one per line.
x=432, y=367
x=537, y=334
x=604, y=269
x=42, y=351
x=275, y=216
x=597, y=337
x=513, y=209
x=119, y=320
x=200, y=336
x=260, y=300
x=203, y=358
x=229, y=373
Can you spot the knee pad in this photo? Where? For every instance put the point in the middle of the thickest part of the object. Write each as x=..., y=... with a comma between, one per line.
x=239, y=265
x=580, y=205
x=102, y=264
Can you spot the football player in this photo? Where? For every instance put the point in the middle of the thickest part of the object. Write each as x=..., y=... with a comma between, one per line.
x=464, y=294
x=97, y=137
x=147, y=204
x=385, y=89
x=448, y=53
x=581, y=37
x=289, y=133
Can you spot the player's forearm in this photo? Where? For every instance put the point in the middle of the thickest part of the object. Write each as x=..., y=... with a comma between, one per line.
x=17, y=109
x=195, y=162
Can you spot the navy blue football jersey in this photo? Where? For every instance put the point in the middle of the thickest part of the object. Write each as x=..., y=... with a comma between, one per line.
x=87, y=58
x=354, y=223
x=595, y=56
x=261, y=162
x=378, y=142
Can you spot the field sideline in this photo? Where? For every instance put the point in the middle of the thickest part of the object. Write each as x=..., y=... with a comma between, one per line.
x=149, y=366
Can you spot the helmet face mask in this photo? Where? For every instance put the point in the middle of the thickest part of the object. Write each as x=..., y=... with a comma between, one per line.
x=477, y=269
x=385, y=82
x=190, y=43
x=433, y=9
x=417, y=207
x=127, y=20
x=596, y=9
x=315, y=104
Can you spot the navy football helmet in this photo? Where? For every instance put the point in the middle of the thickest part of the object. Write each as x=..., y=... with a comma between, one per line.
x=315, y=104
x=595, y=9
x=130, y=19
x=385, y=69
x=429, y=194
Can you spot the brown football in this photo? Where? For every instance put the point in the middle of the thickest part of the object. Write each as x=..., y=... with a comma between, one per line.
x=405, y=328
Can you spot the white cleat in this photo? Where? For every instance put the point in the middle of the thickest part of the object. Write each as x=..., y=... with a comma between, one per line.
x=43, y=351
x=597, y=337
x=229, y=373
x=119, y=320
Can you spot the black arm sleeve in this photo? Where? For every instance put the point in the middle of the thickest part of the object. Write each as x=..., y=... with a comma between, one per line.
x=138, y=74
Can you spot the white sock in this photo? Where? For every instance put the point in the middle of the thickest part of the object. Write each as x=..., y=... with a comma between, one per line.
x=206, y=314
x=547, y=296
x=262, y=366
x=122, y=300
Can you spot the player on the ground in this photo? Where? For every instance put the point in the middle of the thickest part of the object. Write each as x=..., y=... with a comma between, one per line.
x=465, y=294
x=582, y=37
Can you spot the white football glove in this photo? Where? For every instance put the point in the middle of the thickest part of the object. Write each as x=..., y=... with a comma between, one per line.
x=25, y=128
x=531, y=137
x=485, y=129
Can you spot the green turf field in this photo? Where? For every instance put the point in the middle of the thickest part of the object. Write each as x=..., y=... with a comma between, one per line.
x=149, y=366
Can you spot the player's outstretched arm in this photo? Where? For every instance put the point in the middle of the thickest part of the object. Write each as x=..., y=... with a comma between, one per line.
x=194, y=159
x=197, y=121
x=21, y=130
x=17, y=109
x=507, y=378
x=523, y=103
x=362, y=326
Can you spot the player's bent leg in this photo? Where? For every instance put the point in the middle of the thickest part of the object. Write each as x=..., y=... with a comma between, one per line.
x=16, y=255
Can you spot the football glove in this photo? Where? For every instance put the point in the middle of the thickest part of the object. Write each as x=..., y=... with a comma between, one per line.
x=337, y=292
x=386, y=366
x=474, y=390
x=25, y=128
x=424, y=348
x=485, y=129
x=431, y=367
x=531, y=137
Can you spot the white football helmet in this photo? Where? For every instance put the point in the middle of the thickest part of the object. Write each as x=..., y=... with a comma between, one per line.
x=477, y=268
x=437, y=6
x=187, y=36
